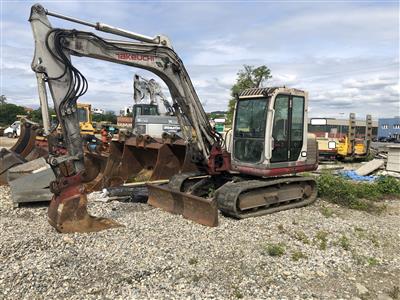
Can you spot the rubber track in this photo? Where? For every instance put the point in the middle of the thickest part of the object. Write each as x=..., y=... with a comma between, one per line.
x=228, y=195
x=177, y=181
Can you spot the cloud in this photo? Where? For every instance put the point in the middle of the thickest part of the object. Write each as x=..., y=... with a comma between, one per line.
x=344, y=54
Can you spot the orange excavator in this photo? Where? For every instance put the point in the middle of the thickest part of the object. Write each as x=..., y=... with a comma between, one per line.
x=256, y=175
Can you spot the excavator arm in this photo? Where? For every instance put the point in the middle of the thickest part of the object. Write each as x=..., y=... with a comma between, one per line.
x=53, y=48
x=52, y=64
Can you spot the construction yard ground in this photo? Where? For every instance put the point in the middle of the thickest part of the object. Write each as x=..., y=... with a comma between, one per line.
x=322, y=251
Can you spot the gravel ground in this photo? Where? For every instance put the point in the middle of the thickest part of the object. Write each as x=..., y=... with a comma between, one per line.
x=341, y=254
x=6, y=142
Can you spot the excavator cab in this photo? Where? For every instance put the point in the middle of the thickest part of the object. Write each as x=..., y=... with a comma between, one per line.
x=270, y=132
x=143, y=109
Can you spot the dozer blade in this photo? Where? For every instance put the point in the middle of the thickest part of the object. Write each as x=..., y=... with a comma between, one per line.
x=194, y=208
x=67, y=213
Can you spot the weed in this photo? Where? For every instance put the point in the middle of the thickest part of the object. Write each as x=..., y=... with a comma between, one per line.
x=297, y=255
x=326, y=212
x=281, y=229
x=322, y=237
x=238, y=294
x=370, y=236
x=372, y=261
x=362, y=260
x=193, y=261
x=275, y=249
x=301, y=236
x=394, y=293
x=374, y=240
x=344, y=243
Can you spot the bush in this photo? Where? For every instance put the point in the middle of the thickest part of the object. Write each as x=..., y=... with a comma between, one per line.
x=353, y=194
x=388, y=186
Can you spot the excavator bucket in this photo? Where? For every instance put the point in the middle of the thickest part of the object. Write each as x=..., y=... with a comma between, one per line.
x=200, y=210
x=25, y=149
x=128, y=160
x=8, y=159
x=105, y=165
x=146, y=153
x=67, y=212
x=26, y=140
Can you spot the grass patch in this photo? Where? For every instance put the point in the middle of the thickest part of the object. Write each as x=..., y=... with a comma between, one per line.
x=344, y=243
x=301, y=236
x=357, y=195
x=365, y=260
x=275, y=249
x=326, y=212
x=193, y=261
x=238, y=294
x=322, y=239
x=373, y=238
x=297, y=255
x=372, y=261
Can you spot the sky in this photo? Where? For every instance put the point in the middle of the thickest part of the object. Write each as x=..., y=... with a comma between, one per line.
x=344, y=53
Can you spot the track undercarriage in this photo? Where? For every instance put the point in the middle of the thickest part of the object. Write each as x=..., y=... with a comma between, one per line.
x=235, y=196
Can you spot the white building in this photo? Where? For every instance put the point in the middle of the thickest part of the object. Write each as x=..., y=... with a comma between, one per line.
x=98, y=111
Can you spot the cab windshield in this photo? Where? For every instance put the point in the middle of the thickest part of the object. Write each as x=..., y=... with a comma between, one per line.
x=250, y=118
x=82, y=115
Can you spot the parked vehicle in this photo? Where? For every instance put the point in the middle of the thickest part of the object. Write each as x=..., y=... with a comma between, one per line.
x=14, y=130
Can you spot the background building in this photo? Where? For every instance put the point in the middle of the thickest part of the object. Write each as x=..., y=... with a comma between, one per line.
x=98, y=111
x=338, y=128
x=389, y=127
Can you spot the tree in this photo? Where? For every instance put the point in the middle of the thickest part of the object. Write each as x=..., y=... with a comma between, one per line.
x=3, y=99
x=36, y=115
x=9, y=112
x=107, y=117
x=248, y=77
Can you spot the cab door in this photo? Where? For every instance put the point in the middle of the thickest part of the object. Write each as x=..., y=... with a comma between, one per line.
x=288, y=126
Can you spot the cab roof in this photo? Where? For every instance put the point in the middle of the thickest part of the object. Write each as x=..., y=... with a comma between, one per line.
x=263, y=92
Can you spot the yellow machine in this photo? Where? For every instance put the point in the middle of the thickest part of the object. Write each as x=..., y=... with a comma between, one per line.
x=350, y=147
x=327, y=148
x=85, y=119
